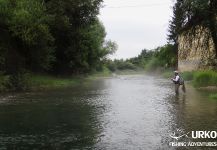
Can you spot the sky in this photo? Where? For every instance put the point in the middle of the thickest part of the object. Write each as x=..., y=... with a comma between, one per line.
x=136, y=24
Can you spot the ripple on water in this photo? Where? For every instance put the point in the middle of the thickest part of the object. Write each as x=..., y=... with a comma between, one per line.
x=126, y=112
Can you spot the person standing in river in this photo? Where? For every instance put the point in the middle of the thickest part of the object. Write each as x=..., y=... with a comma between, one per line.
x=177, y=80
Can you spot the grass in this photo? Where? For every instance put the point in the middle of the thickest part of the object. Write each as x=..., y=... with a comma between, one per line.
x=104, y=73
x=213, y=96
x=46, y=81
x=205, y=78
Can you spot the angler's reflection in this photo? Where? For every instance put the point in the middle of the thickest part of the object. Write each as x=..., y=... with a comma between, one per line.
x=180, y=98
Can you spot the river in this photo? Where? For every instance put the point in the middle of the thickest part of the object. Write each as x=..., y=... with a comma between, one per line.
x=128, y=112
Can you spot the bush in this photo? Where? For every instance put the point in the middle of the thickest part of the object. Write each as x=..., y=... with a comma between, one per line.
x=126, y=66
x=153, y=64
x=4, y=81
x=18, y=82
x=112, y=67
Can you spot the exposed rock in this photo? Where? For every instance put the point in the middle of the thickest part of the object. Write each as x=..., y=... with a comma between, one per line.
x=196, y=50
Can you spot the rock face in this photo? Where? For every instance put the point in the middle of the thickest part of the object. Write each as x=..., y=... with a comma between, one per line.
x=196, y=50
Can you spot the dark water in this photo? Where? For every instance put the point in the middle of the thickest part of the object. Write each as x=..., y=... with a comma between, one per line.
x=126, y=112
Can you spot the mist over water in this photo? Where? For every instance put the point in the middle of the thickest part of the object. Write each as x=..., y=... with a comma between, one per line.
x=124, y=112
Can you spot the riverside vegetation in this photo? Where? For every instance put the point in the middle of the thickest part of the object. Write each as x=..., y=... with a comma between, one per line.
x=47, y=43
x=56, y=38
x=162, y=60
x=159, y=62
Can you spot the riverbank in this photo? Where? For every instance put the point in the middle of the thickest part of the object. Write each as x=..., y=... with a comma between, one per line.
x=40, y=82
x=35, y=82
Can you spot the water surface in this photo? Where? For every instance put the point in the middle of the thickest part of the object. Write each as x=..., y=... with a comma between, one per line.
x=125, y=112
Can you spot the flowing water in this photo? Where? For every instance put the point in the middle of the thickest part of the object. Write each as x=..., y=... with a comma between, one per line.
x=125, y=112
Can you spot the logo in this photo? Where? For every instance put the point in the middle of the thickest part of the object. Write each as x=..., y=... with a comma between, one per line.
x=179, y=133
x=204, y=134
x=179, y=136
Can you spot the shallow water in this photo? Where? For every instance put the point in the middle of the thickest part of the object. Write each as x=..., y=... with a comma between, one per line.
x=124, y=112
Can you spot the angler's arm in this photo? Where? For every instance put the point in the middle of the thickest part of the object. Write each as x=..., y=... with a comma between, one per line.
x=175, y=79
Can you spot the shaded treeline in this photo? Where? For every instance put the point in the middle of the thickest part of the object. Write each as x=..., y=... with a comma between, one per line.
x=57, y=36
x=163, y=57
x=51, y=36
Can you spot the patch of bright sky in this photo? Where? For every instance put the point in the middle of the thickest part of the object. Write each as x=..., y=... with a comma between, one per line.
x=136, y=24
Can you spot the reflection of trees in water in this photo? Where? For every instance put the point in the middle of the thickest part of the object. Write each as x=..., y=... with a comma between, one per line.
x=192, y=111
x=50, y=121
x=178, y=106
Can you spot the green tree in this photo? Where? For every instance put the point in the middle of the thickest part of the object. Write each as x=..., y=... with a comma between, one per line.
x=176, y=24
x=51, y=36
x=189, y=14
x=25, y=39
x=78, y=34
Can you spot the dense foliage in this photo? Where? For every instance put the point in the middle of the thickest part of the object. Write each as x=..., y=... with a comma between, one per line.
x=60, y=37
x=190, y=14
x=163, y=57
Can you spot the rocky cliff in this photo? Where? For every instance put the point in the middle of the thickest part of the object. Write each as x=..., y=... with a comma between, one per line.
x=195, y=50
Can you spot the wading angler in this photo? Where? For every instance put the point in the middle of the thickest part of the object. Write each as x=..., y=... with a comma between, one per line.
x=178, y=80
